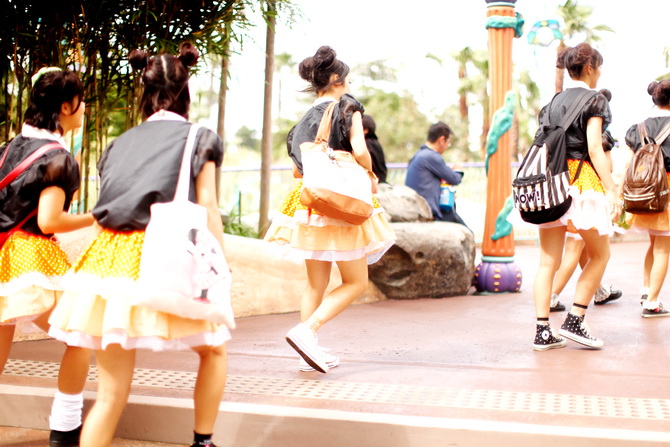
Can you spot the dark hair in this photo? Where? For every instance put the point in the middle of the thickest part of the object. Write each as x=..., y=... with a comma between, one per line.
x=660, y=92
x=47, y=96
x=317, y=70
x=574, y=59
x=165, y=80
x=369, y=124
x=438, y=130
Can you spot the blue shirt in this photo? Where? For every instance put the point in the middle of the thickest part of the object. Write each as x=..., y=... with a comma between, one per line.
x=425, y=172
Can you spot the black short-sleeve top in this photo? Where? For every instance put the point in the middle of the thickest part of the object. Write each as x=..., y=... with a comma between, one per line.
x=340, y=132
x=21, y=197
x=654, y=126
x=575, y=136
x=141, y=167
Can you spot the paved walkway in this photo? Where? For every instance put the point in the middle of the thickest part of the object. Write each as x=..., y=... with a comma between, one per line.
x=454, y=371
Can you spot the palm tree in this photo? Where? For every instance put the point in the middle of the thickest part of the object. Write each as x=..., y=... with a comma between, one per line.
x=266, y=140
x=575, y=18
x=463, y=57
x=283, y=60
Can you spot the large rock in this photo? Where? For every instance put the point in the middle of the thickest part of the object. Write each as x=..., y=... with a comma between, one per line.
x=429, y=260
x=403, y=204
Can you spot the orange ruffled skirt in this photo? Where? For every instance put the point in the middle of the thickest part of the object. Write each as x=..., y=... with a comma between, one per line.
x=656, y=224
x=300, y=233
x=97, y=308
x=31, y=268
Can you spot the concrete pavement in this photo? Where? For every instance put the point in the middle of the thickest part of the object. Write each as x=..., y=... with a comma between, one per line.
x=430, y=372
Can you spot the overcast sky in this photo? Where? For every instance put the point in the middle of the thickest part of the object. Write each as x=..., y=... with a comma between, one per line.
x=403, y=32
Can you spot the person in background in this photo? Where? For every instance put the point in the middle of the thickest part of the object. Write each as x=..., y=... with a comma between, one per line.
x=427, y=170
x=303, y=234
x=375, y=148
x=656, y=224
x=139, y=168
x=32, y=208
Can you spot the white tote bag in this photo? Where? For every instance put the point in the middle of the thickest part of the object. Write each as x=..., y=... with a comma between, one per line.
x=182, y=269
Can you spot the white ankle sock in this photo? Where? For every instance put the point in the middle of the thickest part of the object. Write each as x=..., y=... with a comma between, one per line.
x=66, y=411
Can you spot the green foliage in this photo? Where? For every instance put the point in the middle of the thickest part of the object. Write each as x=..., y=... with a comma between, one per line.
x=234, y=225
x=247, y=138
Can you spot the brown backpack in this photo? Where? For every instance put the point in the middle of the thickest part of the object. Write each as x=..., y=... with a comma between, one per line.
x=645, y=186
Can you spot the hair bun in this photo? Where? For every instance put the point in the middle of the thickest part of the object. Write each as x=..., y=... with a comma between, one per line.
x=652, y=87
x=188, y=54
x=138, y=59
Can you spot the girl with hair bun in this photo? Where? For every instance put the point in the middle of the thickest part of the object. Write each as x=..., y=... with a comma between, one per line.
x=595, y=200
x=33, y=206
x=303, y=234
x=139, y=168
x=656, y=224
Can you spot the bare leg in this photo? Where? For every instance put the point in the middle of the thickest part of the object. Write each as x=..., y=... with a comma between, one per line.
x=209, y=386
x=659, y=269
x=551, y=250
x=6, y=338
x=354, y=281
x=571, y=256
x=115, y=374
x=318, y=277
x=598, y=248
x=648, y=261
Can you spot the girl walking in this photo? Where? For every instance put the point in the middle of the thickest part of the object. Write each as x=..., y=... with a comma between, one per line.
x=33, y=206
x=656, y=224
x=319, y=240
x=140, y=168
x=595, y=202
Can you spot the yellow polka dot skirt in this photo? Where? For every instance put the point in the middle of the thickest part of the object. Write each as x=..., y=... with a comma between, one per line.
x=589, y=208
x=300, y=233
x=31, y=268
x=97, y=307
x=588, y=180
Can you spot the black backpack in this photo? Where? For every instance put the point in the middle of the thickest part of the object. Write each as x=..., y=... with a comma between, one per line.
x=542, y=182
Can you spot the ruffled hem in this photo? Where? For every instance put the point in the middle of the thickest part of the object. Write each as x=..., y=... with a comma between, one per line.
x=26, y=304
x=588, y=211
x=296, y=241
x=659, y=222
x=154, y=343
x=311, y=219
x=37, y=279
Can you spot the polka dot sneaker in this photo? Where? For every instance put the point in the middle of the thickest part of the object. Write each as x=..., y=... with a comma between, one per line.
x=575, y=329
x=546, y=339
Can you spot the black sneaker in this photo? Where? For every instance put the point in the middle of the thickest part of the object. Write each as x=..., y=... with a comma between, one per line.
x=65, y=438
x=660, y=311
x=575, y=329
x=605, y=295
x=545, y=338
x=555, y=305
x=206, y=444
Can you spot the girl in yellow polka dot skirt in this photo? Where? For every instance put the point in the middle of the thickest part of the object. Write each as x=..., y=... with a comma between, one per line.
x=32, y=207
x=595, y=200
x=300, y=233
x=97, y=309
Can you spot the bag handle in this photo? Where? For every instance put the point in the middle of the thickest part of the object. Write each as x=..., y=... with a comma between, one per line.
x=183, y=184
x=323, y=134
x=30, y=159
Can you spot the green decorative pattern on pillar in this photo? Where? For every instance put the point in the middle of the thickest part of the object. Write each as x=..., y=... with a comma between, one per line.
x=515, y=23
x=503, y=227
x=500, y=123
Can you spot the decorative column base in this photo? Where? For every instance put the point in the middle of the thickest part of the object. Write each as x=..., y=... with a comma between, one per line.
x=497, y=275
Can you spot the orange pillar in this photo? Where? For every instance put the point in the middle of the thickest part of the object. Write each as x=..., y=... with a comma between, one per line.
x=497, y=272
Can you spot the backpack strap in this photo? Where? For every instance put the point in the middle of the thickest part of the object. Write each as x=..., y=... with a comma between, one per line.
x=9, y=178
x=578, y=103
x=662, y=135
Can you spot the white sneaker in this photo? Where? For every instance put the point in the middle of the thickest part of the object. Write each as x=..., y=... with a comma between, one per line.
x=304, y=341
x=331, y=360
